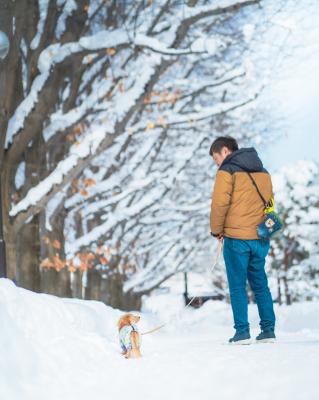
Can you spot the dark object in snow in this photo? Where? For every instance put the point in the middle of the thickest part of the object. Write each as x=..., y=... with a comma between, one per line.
x=200, y=299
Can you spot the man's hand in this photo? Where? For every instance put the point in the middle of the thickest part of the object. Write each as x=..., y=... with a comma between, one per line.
x=218, y=236
x=220, y=239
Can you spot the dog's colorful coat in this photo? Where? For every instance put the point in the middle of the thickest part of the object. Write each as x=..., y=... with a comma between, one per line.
x=125, y=337
x=130, y=339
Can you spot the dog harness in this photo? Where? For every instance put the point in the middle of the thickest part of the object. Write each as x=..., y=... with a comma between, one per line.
x=125, y=337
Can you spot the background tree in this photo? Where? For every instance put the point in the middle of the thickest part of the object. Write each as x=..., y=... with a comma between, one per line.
x=107, y=110
x=294, y=254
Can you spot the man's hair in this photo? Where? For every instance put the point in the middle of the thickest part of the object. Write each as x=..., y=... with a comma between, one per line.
x=223, y=141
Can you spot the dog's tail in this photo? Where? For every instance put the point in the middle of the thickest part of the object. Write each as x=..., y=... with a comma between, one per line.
x=135, y=341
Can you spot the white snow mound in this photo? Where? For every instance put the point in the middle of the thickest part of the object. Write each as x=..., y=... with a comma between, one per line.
x=53, y=349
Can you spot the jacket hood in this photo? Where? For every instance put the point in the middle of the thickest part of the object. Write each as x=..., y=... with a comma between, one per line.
x=246, y=159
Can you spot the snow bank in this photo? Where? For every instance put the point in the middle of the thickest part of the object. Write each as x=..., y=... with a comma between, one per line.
x=54, y=349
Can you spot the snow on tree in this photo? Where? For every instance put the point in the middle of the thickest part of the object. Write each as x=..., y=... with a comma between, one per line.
x=108, y=113
x=295, y=252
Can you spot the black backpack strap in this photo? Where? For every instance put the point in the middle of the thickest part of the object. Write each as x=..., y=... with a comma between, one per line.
x=266, y=203
x=255, y=184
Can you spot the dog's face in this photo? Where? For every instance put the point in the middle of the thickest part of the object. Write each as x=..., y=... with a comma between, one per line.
x=128, y=319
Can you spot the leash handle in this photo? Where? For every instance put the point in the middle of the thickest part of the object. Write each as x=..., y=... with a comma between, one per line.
x=219, y=251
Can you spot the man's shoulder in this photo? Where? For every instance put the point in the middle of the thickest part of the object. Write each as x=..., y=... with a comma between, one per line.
x=233, y=168
x=230, y=168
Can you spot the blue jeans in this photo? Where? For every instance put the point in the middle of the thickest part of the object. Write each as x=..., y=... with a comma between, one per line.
x=245, y=259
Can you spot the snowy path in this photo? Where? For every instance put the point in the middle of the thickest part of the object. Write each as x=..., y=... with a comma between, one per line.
x=54, y=349
x=207, y=369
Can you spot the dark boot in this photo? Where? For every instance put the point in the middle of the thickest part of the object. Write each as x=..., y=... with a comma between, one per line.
x=267, y=336
x=240, y=337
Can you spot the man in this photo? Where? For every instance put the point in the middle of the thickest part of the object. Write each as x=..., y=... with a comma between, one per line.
x=236, y=210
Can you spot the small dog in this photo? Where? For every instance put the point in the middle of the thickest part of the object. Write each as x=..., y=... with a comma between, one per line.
x=130, y=339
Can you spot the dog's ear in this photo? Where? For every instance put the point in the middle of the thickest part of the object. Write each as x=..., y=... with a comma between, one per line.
x=124, y=320
x=134, y=318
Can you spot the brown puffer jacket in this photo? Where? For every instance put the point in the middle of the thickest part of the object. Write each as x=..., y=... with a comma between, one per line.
x=236, y=207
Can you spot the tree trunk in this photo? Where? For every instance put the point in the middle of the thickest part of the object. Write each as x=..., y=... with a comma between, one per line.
x=76, y=284
x=9, y=229
x=11, y=95
x=56, y=282
x=28, y=255
x=93, y=285
x=113, y=295
x=109, y=289
x=53, y=280
x=10, y=242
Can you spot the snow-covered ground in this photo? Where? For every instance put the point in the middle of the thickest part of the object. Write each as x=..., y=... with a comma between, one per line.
x=58, y=349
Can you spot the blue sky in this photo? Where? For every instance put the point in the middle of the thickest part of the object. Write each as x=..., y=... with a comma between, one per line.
x=288, y=149
x=292, y=96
